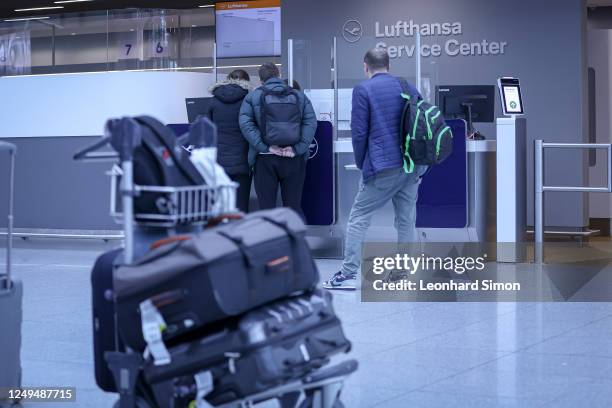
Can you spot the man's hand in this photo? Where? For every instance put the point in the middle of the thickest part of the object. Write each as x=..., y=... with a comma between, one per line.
x=282, y=151
x=288, y=152
x=276, y=150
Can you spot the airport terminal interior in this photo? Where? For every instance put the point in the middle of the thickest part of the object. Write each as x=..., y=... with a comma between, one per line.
x=201, y=203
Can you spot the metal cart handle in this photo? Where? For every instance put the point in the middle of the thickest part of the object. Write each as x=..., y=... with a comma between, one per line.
x=12, y=150
x=91, y=153
x=5, y=146
x=124, y=135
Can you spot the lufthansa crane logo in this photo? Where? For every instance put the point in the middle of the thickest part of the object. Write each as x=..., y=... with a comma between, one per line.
x=352, y=31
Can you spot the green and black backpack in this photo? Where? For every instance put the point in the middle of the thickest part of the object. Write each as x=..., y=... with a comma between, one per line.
x=425, y=137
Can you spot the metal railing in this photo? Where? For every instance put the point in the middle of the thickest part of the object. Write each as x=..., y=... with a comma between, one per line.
x=540, y=188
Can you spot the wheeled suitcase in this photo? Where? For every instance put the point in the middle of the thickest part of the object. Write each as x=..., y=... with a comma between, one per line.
x=103, y=307
x=11, y=300
x=265, y=348
x=199, y=279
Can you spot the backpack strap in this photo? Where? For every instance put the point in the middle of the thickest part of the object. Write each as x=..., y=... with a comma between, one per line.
x=264, y=112
x=404, y=133
x=405, y=88
x=167, y=138
x=405, y=111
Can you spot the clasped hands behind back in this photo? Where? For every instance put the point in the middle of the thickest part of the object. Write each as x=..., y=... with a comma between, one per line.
x=286, y=151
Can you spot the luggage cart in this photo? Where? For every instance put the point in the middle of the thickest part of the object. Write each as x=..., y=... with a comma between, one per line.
x=193, y=206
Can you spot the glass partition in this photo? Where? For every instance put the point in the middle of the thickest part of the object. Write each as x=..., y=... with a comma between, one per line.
x=431, y=50
x=196, y=41
x=131, y=39
x=125, y=40
x=302, y=64
x=136, y=39
x=349, y=54
x=15, y=51
x=241, y=58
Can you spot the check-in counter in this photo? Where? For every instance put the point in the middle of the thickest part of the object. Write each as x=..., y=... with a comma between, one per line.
x=470, y=218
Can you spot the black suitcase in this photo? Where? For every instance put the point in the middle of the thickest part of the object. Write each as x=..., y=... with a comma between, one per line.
x=11, y=303
x=103, y=308
x=265, y=348
x=219, y=273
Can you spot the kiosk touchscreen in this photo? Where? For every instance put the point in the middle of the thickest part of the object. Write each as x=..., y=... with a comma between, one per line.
x=510, y=91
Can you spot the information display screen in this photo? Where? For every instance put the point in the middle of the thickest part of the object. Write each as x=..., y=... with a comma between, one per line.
x=513, y=99
x=248, y=28
x=512, y=102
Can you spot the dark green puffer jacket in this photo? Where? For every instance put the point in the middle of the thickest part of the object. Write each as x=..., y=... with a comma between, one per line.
x=250, y=121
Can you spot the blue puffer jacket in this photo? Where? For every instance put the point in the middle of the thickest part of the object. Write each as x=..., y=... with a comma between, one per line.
x=375, y=121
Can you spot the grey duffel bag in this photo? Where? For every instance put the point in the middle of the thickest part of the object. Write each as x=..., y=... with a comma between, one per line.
x=192, y=281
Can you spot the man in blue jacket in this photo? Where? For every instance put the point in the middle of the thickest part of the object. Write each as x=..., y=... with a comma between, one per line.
x=277, y=165
x=375, y=129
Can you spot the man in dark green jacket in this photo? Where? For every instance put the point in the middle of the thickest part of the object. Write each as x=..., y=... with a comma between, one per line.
x=277, y=165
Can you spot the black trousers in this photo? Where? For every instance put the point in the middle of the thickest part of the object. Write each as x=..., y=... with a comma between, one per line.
x=244, y=190
x=271, y=171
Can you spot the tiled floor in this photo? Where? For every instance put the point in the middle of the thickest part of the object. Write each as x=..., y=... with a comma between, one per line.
x=410, y=354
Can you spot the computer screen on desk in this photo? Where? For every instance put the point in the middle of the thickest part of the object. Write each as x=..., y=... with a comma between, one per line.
x=196, y=107
x=459, y=101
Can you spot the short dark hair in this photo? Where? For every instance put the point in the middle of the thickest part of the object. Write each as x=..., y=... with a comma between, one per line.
x=377, y=59
x=239, y=75
x=296, y=84
x=267, y=71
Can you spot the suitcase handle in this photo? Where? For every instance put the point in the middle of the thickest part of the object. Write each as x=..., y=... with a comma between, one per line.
x=170, y=240
x=167, y=298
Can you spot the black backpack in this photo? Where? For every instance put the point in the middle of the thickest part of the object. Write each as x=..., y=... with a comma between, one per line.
x=425, y=137
x=159, y=161
x=281, y=117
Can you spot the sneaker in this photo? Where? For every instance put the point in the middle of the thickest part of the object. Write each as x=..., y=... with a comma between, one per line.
x=340, y=281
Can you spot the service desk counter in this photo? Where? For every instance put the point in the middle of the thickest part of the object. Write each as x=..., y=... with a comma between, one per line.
x=50, y=117
x=456, y=199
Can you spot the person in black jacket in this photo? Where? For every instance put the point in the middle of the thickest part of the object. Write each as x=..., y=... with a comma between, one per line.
x=224, y=110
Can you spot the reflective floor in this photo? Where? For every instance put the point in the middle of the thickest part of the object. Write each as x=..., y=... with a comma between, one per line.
x=410, y=354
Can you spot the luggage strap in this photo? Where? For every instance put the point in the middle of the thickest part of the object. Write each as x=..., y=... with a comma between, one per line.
x=281, y=225
x=292, y=235
x=204, y=385
x=153, y=324
x=245, y=255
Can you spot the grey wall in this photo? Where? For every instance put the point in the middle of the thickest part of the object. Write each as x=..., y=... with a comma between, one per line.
x=54, y=192
x=546, y=49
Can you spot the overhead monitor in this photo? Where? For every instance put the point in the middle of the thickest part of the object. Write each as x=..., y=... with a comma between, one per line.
x=248, y=28
x=510, y=92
